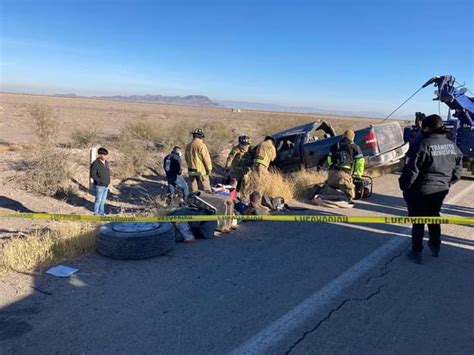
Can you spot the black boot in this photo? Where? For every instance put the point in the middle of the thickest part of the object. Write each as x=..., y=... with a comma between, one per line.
x=434, y=250
x=414, y=256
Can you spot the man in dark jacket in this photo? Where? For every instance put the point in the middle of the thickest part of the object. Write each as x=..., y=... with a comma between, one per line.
x=173, y=170
x=100, y=173
x=429, y=172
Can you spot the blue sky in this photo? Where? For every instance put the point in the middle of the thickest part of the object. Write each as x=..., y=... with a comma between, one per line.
x=364, y=55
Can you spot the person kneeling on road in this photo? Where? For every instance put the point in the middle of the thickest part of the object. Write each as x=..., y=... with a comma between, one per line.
x=428, y=173
x=100, y=174
x=173, y=169
x=345, y=159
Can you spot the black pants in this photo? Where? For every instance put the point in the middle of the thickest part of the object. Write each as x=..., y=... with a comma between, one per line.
x=419, y=204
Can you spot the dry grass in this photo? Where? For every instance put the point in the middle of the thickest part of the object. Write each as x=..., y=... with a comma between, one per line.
x=272, y=183
x=10, y=147
x=64, y=241
x=304, y=181
x=290, y=187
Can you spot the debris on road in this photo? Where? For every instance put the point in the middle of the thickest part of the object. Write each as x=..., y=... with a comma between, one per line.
x=62, y=271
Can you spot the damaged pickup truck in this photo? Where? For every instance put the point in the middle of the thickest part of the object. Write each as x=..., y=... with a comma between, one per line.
x=307, y=146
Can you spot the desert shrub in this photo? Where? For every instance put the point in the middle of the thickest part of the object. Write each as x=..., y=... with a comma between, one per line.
x=64, y=241
x=84, y=137
x=48, y=170
x=45, y=123
x=146, y=130
x=136, y=143
x=218, y=137
x=304, y=181
x=134, y=155
x=272, y=183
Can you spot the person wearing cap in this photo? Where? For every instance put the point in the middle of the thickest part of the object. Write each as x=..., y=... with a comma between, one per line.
x=265, y=154
x=100, y=174
x=199, y=162
x=428, y=173
x=344, y=160
x=173, y=169
x=237, y=160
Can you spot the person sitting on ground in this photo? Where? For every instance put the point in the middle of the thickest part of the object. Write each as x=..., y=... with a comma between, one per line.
x=173, y=169
x=345, y=159
x=100, y=174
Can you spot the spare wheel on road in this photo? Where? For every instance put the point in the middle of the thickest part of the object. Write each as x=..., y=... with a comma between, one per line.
x=135, y=240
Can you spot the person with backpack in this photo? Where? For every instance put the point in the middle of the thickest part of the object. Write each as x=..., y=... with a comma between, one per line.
x=345, y=159
x=429, y=172
x=173, y=169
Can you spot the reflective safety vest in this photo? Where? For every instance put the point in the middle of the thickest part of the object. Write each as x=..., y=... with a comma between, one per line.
x=346, y=155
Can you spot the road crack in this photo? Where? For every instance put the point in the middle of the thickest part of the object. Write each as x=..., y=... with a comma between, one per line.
x=384, y=271
x=331, y=313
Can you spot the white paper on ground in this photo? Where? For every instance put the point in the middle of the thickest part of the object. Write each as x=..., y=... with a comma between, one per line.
x=62, y=271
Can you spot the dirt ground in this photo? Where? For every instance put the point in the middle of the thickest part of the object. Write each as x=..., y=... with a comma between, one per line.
x=132, y=195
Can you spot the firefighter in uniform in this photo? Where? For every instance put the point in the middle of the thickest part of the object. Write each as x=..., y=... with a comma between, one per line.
x=345, y=159
x=199, y=162
x=264, y=155
x=237, y=161
x=428, y=173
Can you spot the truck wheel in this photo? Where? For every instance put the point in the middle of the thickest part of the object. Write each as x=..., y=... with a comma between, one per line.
x=135, y=240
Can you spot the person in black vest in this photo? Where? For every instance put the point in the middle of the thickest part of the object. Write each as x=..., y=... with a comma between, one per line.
x=429, y=172
x=100, y=173
x=173, y=169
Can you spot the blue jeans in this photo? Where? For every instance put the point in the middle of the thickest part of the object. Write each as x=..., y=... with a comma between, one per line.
x=100, y=197
x=181, y=183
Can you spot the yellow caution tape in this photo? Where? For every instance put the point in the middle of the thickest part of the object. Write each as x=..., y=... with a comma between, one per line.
x=269, y=218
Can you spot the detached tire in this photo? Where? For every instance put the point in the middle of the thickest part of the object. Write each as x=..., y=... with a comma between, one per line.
x=134, y=241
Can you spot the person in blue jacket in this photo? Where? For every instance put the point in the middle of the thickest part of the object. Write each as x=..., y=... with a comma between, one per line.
x=173, y=169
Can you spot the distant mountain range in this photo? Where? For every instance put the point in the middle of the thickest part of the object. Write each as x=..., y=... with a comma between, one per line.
x=190, y=100
x=204, y=101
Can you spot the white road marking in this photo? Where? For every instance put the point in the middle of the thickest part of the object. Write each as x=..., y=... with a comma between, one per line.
x=460, y=194
x=279, y=329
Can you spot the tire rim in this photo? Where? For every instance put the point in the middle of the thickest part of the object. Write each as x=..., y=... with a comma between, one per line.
x=135, y=227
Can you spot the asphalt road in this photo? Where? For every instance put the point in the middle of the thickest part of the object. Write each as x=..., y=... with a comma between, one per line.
x=266, y=288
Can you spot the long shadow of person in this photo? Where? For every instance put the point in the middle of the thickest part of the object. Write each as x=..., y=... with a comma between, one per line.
x=8, y=203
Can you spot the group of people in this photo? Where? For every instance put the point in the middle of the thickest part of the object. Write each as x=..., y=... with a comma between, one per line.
x=239, y=162
x=199, y=165
x=433, y=163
